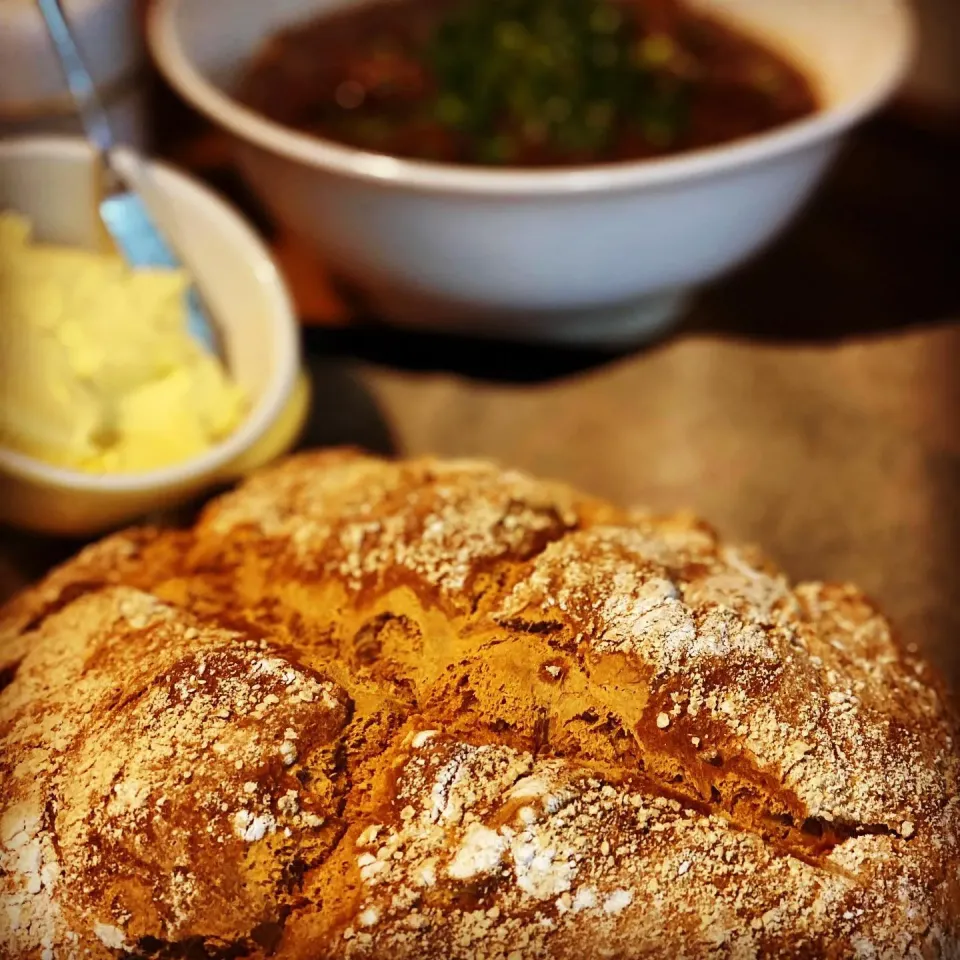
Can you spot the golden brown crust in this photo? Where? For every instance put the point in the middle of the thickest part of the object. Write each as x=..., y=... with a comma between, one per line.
x=425, y=709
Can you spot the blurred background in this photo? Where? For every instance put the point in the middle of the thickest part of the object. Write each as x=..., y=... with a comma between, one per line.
x=809, y=401
x=934, y=83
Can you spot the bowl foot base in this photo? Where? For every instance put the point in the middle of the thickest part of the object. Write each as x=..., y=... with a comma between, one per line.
x=616, y=326
x=622, y=325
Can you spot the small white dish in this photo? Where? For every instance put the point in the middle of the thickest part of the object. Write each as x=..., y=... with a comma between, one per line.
x=540, y=255
x=51, y=181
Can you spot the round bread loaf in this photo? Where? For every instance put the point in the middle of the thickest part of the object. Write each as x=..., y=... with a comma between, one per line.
x=367, y=709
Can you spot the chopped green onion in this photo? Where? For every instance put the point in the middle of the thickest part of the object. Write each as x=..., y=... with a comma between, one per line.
x=657, y=50
x=564, y=74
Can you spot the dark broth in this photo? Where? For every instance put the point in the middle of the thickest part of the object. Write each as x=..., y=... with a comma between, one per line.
x=529, y=83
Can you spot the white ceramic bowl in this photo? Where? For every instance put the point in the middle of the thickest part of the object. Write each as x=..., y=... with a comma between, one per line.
x=589, y=254
x=51, y=181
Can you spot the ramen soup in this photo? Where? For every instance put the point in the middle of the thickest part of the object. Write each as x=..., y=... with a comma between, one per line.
x=531, y=83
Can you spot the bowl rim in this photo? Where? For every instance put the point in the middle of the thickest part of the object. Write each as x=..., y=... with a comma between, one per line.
x=282, y=318
x=425, y=176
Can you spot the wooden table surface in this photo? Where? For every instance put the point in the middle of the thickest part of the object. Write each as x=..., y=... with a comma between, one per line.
x=810, y=403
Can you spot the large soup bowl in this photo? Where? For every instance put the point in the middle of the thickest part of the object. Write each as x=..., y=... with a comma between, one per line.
x=598, y=253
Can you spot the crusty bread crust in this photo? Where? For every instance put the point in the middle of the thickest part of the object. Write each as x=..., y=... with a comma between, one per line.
x=410, y=710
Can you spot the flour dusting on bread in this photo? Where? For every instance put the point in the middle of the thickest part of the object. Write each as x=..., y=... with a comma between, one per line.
x=368, y=709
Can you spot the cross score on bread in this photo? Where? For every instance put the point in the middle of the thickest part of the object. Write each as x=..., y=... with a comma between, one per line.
x=368, y=709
